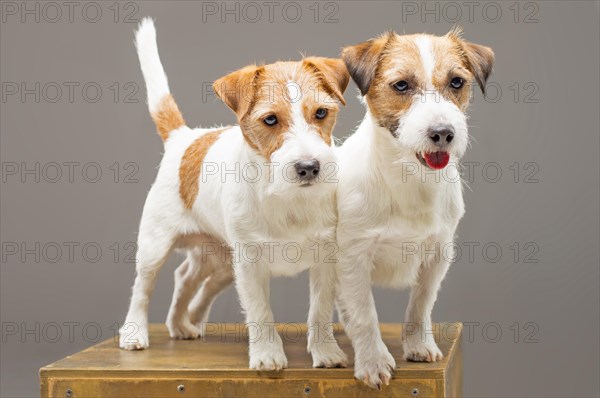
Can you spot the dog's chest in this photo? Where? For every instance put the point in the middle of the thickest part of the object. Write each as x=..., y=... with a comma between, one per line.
x=290, y=257
x=396, y=266
x=294, y=241
x=400, y=245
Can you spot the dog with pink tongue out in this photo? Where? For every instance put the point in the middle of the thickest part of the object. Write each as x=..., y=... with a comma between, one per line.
x=399, y=191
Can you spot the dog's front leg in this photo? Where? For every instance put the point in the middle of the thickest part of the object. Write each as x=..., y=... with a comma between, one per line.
x=322, y=345
x=373, y=362
x=418, y=337
x=252, y=283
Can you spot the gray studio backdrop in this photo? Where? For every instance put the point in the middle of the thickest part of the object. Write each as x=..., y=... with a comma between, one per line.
x=79, y=153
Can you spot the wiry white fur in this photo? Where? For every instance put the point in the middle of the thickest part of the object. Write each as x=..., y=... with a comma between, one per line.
x=231, y=217
x=431, y=109
x=157, y=85
x=392, y=212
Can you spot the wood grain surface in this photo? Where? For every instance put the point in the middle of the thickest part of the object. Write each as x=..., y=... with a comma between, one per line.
x=217, y=366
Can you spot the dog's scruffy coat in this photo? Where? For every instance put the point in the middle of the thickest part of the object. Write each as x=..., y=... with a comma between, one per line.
x=399, y=192
x=239, y=196
x=399, y=197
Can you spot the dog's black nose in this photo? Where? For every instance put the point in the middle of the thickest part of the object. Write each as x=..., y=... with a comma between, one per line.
x=307, y=169
x=441, y=135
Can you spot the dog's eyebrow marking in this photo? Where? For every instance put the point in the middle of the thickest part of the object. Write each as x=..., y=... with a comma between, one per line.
x=191, y=164
x=427, y=58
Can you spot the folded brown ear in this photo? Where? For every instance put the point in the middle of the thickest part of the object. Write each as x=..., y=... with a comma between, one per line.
x=361, y=60
x=334, y=72
x=236, y=89
x=481, y=62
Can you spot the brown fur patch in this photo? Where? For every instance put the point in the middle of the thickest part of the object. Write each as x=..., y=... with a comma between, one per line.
x=191, y=165
x=400, y=61
x=168, y=117
x=479, y=59
x=237, y=88
x=323, y=126
x=362, y=60
x=332, y=72
x=257, y=92
x=450, y=62
x=379, y=63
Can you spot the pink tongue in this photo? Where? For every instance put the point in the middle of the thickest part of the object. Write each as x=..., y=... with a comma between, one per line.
x=437, y=160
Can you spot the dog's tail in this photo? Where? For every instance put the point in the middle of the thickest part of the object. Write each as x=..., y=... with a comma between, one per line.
x=163, y=109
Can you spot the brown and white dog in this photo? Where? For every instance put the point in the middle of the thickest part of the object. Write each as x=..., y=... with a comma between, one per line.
x=399, y=192
x=236, y=196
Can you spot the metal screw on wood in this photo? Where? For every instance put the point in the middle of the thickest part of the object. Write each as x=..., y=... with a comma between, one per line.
x=307, y=390
x=181, y=388
x=415, y=392
x=69, y=393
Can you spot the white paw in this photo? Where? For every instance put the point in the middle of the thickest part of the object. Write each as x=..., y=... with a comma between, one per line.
x=133, y=337
x=269, y=357
x=375, y=369
x=182, y=329
x=328, y=355
x=416, y=350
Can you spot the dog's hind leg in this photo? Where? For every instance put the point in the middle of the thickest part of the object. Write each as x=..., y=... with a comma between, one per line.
x=155, y=242
x=188, y=277
x=199, y=308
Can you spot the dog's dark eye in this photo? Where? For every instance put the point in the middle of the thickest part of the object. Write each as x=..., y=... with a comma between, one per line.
x=270, y=120
x=321, y=113
x=401, y=86
x=457, y=83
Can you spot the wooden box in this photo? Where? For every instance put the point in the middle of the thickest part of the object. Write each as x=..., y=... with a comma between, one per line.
x=217, y=366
